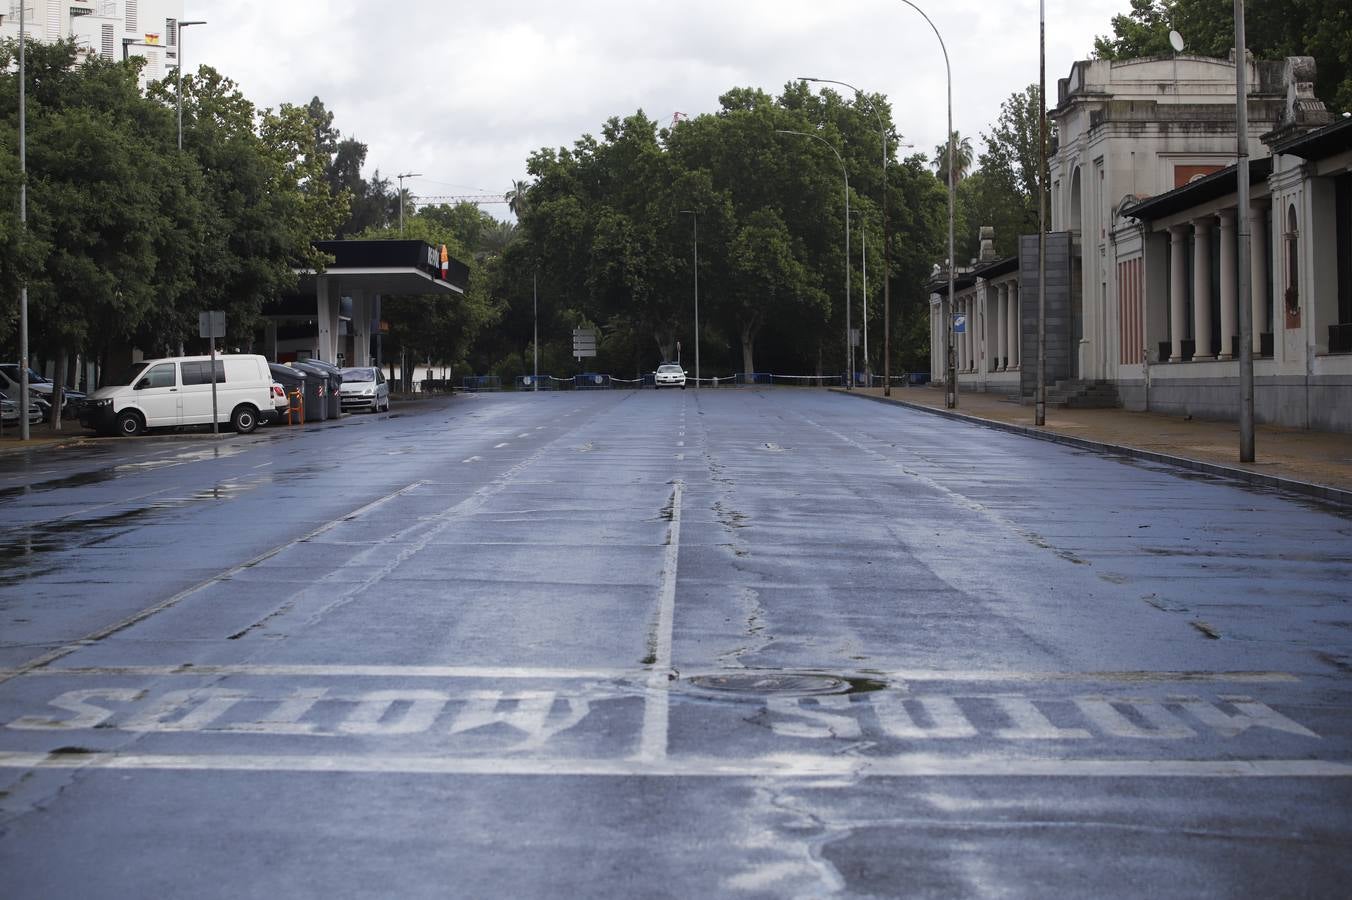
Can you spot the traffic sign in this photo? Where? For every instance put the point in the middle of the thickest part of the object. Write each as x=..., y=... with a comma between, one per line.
x=959, y=323
x=211, y=323
x=584, y=342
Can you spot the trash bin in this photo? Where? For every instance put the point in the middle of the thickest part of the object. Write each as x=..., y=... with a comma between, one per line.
x=291, y=381
x=316, y=392
x=334, y=385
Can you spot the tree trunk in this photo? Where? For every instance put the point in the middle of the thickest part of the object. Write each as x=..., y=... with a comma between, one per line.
x=58, y=388
x=750, y=329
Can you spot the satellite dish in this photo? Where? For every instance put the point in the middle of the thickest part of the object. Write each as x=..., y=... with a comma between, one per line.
x=1176, y=41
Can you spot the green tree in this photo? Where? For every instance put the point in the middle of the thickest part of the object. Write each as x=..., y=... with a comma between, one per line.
x=962, y=159
x=1005, y=195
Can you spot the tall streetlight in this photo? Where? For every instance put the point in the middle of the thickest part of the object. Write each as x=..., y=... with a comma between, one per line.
x=887, y=252
x=401, y=197
x=849, y=344
x=863, y=250
x=1245, y=284
x=951, y=391
x=23, y=226
x=178, y=77
x=694, y=219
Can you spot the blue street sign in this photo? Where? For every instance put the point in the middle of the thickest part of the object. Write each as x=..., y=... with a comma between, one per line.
x=959, y=323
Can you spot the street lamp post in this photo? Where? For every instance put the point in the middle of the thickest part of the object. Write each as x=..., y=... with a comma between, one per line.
x=849, y=344
x=178, y=76
x=694, y=219
x=863, y=251
x=535, y=325
x=24, y=393
x=401, y=197
x=887, y=253
x=1246, y=323
x=951, y=391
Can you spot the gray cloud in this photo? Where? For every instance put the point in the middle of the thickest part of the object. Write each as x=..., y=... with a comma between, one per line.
x=463, y=93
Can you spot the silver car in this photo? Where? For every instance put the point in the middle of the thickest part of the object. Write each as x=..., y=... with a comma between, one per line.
x=365, y=387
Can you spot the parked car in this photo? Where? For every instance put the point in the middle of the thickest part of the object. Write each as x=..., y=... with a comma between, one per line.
x=40, y=389
x=365, y=387
x=177, y=390
x=9, y=411
x=669, y=375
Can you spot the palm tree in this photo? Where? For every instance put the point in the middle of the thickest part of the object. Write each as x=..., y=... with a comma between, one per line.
x=516, y=197
x=493, y=240
x=962, y=158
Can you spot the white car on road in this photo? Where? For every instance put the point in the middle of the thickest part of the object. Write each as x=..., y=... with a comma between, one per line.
x=669, y=375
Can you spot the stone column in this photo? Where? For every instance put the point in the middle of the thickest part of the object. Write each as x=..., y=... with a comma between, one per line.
x=1001, y=317
x=1201, y=289
x=1015, y=329
x=1258, y=270
x=1229, y=288
x=326, y=315
x=1178, y=291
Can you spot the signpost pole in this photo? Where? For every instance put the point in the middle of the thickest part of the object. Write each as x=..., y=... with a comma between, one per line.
x=211, y=325
x=215, y=424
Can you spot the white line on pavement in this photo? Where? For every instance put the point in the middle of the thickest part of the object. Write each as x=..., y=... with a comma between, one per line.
x=775, y=766
x=653, y=745
x=899, y=676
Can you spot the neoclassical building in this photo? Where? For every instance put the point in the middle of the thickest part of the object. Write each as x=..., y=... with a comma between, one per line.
x=1142, y=263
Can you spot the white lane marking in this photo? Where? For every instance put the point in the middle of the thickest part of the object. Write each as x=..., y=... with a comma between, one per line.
x=333, y=671
x=680, y=456
x=895, y=677
x=472, y=459
x=656, y=705
x=524, y=434
x=149, y=611
x=500, y=446
x=680, y=443
x=786, y=765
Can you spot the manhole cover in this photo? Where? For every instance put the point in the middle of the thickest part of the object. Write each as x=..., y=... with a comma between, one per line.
x=776, y=683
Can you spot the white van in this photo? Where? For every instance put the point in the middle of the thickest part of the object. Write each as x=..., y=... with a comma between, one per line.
x=161, y=393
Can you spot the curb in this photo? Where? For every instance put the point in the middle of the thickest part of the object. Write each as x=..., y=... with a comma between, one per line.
x=1304, y=488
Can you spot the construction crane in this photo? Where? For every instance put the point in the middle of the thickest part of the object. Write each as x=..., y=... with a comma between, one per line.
x=463, y=198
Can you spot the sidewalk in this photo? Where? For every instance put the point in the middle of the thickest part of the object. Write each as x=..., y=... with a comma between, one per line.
x=1315, y=463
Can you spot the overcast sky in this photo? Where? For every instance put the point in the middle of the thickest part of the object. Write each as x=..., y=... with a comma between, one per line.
x=462, y=93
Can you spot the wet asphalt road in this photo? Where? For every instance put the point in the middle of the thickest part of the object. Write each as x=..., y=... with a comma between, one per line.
x=727, y=643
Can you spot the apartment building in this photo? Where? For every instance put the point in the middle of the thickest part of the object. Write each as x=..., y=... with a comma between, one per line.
x=112, y=29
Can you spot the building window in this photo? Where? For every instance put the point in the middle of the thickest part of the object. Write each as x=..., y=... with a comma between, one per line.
x=133, y=25
x=1292, y=260
x=171, y=32
x=106, y=46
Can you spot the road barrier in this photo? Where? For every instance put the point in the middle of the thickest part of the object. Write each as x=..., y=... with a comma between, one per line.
x=593, y=381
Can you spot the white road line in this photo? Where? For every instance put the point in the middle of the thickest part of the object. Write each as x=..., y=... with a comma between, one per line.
x=500, y=446
x=472, y=459
x=332, y=671
x=776, y=766
x=896, y=677
x=524, y=434
x=653, y=744
x=149, y=611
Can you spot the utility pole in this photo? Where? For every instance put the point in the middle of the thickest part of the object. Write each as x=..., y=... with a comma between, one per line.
x=1040, y=403
x=401, y=197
